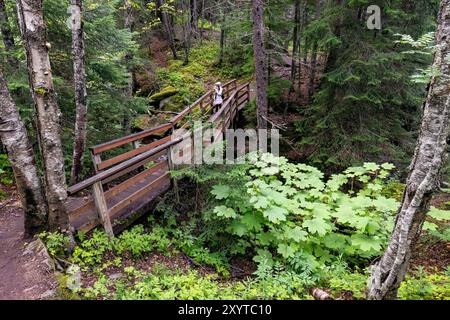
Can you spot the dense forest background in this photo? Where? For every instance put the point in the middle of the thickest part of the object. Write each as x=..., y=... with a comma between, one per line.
x=363, y=104
x=345, y=97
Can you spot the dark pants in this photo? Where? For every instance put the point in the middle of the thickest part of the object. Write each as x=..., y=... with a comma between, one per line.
x=216, y=108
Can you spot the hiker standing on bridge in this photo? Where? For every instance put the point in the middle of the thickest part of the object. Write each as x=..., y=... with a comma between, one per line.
x=218, y=97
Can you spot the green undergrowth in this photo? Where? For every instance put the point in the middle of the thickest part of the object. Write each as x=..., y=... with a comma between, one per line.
x=191, y=80
x=6, y=174
x=265, y=229
x=198, y=76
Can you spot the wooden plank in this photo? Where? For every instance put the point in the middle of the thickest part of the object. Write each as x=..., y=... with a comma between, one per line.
x=132, y=168
x=127, y=155
x=242, y=94
x=241, y=101
x=127, y=183
x=218, y=114
x=130, y=138
x=74, y=213
x=124, y=165
x=136, y=195
x=102, y=208
x=88, y=205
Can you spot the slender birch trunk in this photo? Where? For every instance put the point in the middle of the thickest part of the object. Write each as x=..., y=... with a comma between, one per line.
x=389, y=271
x=21, y=155
x=78, y=53
x=259, y=54
x=48, y=115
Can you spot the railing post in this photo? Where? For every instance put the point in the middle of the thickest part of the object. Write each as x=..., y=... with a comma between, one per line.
x=96, y=160
x=102, y=208
x=174, y=180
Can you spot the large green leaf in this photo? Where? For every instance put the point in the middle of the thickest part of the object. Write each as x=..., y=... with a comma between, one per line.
x=438, y=214
x=286, y=250
x=223, y=211
x=366, y=243
x=275, y=214
x=221, y=191
x=318, y=225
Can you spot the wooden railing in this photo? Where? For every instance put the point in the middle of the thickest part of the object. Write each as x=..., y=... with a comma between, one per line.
x=148, y=165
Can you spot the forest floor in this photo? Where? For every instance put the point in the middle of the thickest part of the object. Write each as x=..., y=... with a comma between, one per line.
x=25, y=267
x=27, y=271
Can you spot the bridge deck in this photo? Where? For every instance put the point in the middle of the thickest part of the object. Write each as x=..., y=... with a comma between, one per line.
x=144, y=172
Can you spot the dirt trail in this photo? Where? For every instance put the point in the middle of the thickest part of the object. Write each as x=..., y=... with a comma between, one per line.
x=26, y=272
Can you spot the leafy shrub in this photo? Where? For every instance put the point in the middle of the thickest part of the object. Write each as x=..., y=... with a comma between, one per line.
x=6, y=172
x=354, y=283
x=91, y=251
x=57, y=243
x=426, y=286
x=136, y=241
x=439, y=226
x=288, y=212
x=165, y=284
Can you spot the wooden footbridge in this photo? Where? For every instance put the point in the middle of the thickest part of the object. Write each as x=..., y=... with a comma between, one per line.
x=128, y=179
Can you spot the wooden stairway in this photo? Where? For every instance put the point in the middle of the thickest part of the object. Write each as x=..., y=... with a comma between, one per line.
x=128, y=182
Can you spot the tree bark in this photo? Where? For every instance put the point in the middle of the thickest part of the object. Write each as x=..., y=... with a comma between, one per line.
x=21, y=155
x=8, y=37
x=312, y=75
x=302, y=26
x=423, y=179
x=194, y=17
x=260, y=63
x=187, y=30
x=129, y=22
x=222, y=36
x=78, y=53
x=167, y=27
x=48, y=115
x=295, y=40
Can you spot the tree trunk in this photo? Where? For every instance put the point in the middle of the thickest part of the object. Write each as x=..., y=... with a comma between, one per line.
x=187, y=31
x=295, y=40
x=312, y=75
x=79, y=71
x=302, y=26
x=202, y=29
x=167, y=27
x=260, y=63
x=8, y=38
x=21, y=155
x=194, y=17
x=48, y=115
x=222, y=37
x=129, y=21
x=423, y=179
